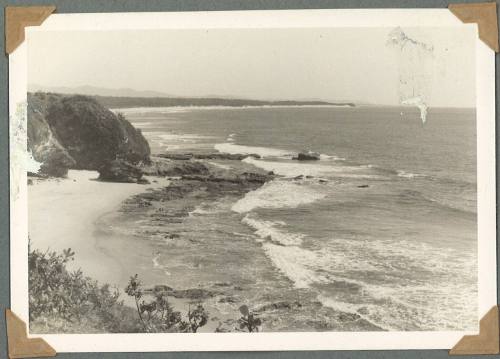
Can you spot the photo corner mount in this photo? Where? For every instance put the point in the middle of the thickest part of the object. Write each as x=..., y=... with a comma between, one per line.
x=485, y=15
x=486, y=342
x=17, y=18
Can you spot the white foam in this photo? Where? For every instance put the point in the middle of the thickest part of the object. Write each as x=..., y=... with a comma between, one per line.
x=394, y=304
x=200, y=210
x=156, y=263
x=287, y=260
x=405, y=174
x=232, y=148
x=324, y=157
x=186, y=137
x=355, y=309
x=294, y=168
x=278, y=194
x=383, y=299
x=174, y=109
x=220, y=165
x=209, y=208
x=144, y=110
x=268, y=230
x=142, y=124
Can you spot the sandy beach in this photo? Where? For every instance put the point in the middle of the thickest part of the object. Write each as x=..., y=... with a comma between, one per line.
x=63, y=212
x=79, y=212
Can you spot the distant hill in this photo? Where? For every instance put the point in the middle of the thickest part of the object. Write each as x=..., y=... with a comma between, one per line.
x=126, y=98
x=127, y=102
x=96, y=91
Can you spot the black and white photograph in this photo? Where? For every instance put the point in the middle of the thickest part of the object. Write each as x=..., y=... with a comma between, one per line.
x=252, y=180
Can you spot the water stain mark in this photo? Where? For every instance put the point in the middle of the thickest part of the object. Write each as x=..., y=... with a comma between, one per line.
x=21, y=160
x=415, y=70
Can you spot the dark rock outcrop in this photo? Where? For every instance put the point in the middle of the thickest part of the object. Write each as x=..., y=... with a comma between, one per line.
x=279, y=305
x=192, y=293
x=119, y=171
x=163, y=167
x=207, y=156
x=77, y=132
x=307, y=156
x=240, y=179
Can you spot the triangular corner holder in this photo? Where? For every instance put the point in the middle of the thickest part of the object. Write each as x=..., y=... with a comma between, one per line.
x=486, y=342
x=485, y=15
x=17, y=18
x=19, y=345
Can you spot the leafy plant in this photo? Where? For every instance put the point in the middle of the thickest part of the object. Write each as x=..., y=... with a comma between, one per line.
x=66, y=301
x=249, y=320
x=197, y=318
x=56, y=292
x=158, y=316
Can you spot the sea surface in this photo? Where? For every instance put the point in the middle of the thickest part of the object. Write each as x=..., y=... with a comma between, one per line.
x=382, y=227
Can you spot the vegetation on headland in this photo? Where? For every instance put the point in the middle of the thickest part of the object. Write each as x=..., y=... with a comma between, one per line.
x=128, y=102
x=66, y=301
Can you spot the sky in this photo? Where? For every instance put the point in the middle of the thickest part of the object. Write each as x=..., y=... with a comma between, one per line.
x=342, y=64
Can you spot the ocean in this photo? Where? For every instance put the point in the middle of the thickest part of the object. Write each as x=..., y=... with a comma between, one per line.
x=379, y=234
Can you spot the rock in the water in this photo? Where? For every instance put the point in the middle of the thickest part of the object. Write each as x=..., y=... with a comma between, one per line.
x=177, y=156
x=195, y=293
x=229, y=299
x=162, y=288
x=225, y=156
x=143, y=181
x=279, y=305
x=307, y=156
x=257, y=177
x=120, y=171
x=208, y=156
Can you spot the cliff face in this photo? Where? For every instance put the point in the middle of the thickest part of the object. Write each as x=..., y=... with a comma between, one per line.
x=42, y=143
x=77, y=132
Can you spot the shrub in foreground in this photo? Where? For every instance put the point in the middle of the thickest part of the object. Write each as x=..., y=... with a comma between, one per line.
x=65, y=301
x=58, y=295
x=158, y=316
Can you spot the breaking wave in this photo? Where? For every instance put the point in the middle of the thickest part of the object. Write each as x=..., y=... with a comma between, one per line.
x=271, y=231
x=263, y=152
x=278, y=194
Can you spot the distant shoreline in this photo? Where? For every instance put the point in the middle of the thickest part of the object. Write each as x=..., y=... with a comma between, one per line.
x=127, y=102
x=180, y=108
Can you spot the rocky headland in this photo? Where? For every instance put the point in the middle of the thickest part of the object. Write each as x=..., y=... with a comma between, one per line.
x=76, y=132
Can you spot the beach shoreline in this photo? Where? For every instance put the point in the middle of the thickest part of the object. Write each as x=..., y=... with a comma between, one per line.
x=76, y=203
